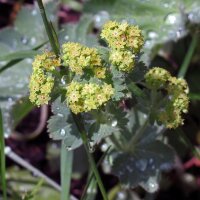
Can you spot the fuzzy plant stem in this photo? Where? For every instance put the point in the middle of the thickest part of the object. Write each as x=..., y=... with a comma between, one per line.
x=188, y=57
x=79, y=122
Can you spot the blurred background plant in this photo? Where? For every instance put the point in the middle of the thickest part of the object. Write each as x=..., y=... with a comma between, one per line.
x=172, y=33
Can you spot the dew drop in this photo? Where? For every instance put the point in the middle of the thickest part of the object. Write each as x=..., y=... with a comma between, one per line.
x=150, y=160
x=121, y=195
x=172, y=19
x=69, y=148
x=101, y=18
x=7, y=150
x=129, y=168
x=152, y=185
x=34, y=12
x=66, y=37
x=91, y=146
x=104, y=147
x=60, y=114
x=152, y=35
x=62, y=132
x=33, y=41
x=114, y=123
x=24, y=40
x=64, y=80
x=141, y=164
x=29, y=60
x=106, y=166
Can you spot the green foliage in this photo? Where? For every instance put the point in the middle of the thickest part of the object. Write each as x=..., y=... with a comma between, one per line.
x=161, y=21
x=80, y=32
x=144, y=164
x=18, y=43
x=62, y=127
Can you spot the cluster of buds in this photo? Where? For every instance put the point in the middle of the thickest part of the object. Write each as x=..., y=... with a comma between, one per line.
x=177, y=92
x=85, y=97
x=78, y=57
x=42, y=81
x=125, y=41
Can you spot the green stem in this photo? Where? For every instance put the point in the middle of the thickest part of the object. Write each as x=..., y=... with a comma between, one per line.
x=188, y=57
x=138, y=134
x=66, y=171
x=48, y=28
x=91, y=175
x=79, y=122
x=142, y=129
x=2, y=159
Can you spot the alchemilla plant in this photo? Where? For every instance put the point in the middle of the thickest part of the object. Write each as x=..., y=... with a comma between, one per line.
x=113, y=98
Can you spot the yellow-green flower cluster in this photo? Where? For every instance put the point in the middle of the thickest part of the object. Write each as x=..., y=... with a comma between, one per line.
x=157, y=78
x=85, y=97
x=79, y=57
x=41, y=83
x=177, y=89
x=124, y=60
x=122, y=36
x=47, y=61
x=125, y=41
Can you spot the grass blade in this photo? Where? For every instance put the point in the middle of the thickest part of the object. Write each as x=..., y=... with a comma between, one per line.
x=2, y=158
x=66, y=171
x=48, y=28
x=15, y=61
x=188, y=57
x=19, y=55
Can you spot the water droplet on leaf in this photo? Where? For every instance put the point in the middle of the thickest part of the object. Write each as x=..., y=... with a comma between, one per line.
x=121, y=195
x=101, y=18
x=24, y=40
x=33, y=41
x=62, y=132
x=114, y=123
x=141, y=164
x=152, y=185
x=66, y=37
x=34, y=12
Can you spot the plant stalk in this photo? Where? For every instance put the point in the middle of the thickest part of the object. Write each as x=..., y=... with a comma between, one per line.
x=79, y=122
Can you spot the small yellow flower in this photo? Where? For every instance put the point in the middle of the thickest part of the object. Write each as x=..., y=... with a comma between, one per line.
x=100, y=72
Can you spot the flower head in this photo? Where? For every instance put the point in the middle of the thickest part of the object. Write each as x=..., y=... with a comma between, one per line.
x=85, y=97
x=122, y=36
x=157, y=77
x=124, y=60
x=41, y=81
x=78, y=57
x=177, y=91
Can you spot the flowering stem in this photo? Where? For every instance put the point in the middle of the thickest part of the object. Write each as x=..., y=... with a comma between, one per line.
x=79, y=122
x=188, y=57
